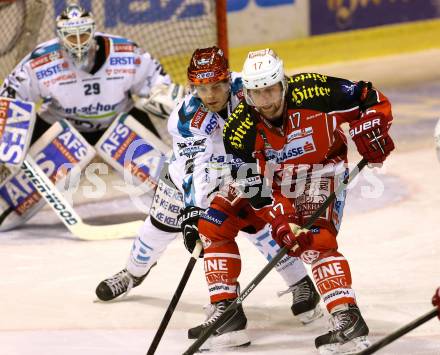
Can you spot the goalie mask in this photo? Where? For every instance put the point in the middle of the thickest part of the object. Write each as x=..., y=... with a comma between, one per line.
x=75, y=29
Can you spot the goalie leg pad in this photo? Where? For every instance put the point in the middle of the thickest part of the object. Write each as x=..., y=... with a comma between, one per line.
x=17, y=120
x=59, y=152
x=133, y=151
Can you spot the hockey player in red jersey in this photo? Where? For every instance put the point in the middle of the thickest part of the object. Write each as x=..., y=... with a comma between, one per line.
x=292, y=151
x=436, y=300
x=193, y=175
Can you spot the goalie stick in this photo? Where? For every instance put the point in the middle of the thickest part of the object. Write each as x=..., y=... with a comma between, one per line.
x=176, y=297
x=269, y=266
x=399, y=332
x=67, y=214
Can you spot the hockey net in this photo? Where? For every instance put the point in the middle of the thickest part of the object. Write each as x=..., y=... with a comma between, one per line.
x=169, y=30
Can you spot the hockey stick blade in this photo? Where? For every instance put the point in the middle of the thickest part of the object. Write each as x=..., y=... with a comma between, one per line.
x=176, y=297
x=399, y=332
x=269, y=266
x=67, y=214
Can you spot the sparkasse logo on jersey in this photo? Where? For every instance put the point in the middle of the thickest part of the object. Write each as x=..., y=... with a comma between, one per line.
x=293, y=149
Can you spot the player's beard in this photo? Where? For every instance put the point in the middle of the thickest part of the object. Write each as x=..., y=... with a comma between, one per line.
x=272, y=111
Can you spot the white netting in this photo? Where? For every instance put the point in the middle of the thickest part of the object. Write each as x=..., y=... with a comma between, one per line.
x=169, y=29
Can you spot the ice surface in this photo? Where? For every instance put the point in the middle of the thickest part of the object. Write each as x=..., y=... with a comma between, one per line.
x=47, y=279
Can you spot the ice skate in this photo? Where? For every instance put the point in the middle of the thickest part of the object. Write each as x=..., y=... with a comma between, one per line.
x=305, y=303
x=231, y=333
x=118, y=284
x=348, y=334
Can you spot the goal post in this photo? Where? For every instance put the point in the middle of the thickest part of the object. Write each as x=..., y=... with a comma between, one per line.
x=169, y=30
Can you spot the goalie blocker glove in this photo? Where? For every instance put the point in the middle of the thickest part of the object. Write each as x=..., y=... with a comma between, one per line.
x=188, y=220
x=370, y=134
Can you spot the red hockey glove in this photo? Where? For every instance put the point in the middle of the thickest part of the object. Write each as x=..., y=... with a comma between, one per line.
x=436, y=301
x=370, y=134
x=291, y=235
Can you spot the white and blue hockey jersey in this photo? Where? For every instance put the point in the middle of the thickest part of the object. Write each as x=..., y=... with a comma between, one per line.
x=90, y=101
x=199, y=162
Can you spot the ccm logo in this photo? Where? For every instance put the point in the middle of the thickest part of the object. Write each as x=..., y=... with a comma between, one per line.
x=364, y=127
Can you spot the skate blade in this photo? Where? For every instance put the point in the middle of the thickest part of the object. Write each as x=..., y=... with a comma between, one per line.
x=239, y=338
x=310, y=316
x=351, y=347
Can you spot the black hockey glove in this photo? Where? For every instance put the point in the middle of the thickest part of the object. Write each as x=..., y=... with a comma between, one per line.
x=188, y=220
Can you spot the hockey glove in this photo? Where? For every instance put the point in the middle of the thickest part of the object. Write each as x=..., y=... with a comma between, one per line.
x=291, y=235
x=370, y=134
x=162, y=100
x=188, y=220
x=436, y=301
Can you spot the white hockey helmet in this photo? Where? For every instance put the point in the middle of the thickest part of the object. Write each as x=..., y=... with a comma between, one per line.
x=75, y=29
x=262, y=69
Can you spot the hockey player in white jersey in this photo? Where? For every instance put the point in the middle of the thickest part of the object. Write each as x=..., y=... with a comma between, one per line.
x=85, y=80
x=195, y=172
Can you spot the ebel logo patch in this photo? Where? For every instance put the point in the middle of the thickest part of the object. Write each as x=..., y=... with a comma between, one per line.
x=292, y=150
x=190, y=147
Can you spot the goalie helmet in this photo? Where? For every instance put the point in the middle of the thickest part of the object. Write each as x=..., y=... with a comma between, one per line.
x=208, y=65
x=75, y=29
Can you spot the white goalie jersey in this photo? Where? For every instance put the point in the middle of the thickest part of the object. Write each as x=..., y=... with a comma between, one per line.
x=199, y=162
x=89, y=101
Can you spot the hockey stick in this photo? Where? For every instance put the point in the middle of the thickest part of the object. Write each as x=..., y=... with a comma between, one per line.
x=170, y=310
x=67, y=214
x=399, y=332
x=269, y=266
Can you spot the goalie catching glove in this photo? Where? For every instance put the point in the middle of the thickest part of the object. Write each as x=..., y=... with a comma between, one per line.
x=162, y=100
x=370, y=134
x=188, y=220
